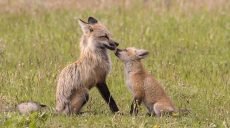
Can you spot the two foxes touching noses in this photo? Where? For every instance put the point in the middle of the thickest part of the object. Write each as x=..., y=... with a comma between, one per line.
x=92, y=68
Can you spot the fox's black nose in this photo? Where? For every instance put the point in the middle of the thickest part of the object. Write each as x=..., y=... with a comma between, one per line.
x=116, y=43
x=118, y=50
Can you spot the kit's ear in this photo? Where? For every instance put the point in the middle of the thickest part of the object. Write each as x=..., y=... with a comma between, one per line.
x=92, y=20
x=141, y=53
x=85, y=27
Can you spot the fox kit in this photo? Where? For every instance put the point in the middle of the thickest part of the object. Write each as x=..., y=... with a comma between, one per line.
x=90, y=70
x=143, y=85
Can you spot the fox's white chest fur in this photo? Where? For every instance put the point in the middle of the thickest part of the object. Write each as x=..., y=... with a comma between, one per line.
x=128, y=81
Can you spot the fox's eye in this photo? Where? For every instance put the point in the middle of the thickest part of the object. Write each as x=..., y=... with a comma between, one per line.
x=125, y=50
x=105, y=36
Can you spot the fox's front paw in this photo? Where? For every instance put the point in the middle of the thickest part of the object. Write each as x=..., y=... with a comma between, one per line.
x=119, y=113
x=150, y=114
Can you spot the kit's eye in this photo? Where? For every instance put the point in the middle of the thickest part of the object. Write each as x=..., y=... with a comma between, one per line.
x=125, y=50
x=105, y=36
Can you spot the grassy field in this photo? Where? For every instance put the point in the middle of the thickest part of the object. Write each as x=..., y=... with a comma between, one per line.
x=189, y=55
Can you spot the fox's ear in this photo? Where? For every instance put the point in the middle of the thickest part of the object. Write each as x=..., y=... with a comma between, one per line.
x=92, y=20
x=85, y=27
x=141, y=53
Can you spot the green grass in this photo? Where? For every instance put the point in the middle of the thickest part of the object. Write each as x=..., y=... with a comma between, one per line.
x=189, y=55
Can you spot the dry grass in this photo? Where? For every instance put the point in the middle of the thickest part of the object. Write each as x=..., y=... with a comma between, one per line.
x=188, y=41
x=185, y=6
x=6, y=103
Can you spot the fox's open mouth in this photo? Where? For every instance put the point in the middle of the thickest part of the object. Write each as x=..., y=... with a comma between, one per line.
x=111, y=46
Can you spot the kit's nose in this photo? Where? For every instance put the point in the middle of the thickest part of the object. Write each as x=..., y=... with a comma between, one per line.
x=118, y=50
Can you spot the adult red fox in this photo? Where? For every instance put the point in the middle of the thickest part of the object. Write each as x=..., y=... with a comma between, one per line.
x=90, y=70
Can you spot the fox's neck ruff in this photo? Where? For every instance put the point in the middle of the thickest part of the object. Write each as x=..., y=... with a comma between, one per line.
x=92, y=53
x=93, y=59
x=134, y=67
x=94, y=56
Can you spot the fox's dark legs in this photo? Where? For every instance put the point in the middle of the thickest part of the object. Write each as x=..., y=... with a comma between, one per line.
x=105, y=93
x=134, y=106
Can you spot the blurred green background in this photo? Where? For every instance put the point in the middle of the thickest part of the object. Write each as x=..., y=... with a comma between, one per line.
x=188, y=41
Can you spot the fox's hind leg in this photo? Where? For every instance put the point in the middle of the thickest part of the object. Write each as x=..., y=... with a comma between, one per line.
x=157, y=107
x=73, y=104
x=160, y=109
x=150, y=110
x=78, y=101
x=62, y=105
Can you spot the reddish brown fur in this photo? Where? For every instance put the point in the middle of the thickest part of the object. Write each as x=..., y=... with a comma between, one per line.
x=76, y=79
x=144, y=87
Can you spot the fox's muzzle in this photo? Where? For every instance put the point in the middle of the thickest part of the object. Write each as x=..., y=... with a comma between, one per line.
x=117, y=52
x=112, y=45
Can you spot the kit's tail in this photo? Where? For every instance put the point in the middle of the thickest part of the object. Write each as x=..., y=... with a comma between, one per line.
x=181, y=112
x=43, y=105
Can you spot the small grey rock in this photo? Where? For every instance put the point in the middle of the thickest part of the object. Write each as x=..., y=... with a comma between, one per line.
x=28, y=107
